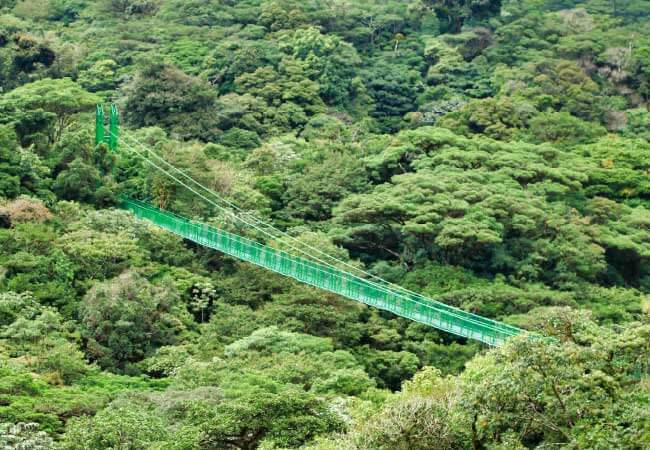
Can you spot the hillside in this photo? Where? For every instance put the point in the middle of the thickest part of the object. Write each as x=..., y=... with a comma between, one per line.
x=493, y=155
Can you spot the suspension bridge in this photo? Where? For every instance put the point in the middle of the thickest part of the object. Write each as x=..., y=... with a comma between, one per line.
x=302, y=262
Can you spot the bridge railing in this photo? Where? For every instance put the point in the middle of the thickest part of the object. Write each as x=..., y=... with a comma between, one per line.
x=382, y=296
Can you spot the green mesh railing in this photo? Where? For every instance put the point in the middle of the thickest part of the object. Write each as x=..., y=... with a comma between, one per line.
x=346, y=284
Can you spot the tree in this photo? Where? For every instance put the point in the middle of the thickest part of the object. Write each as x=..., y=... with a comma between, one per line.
x=97, y=255
x=231, y=59
x=38, y=336
x=130, y=7
x=100, y=77
x=66, y=11
x=24, y=436
x=389, y=368
x=272, y=340
x=424, y=212
x=563, y=128
x=62, y=361
x=289, y=94
x=119, y=426
x=353, y=382
x=293, y=360
x=162, y=95
x=9, y=179
x=393, y=88
x=197, y=12
x=23, y=55
x=498, y=118
x=285, y=419
x=125, y=319
x=580, y=388
x=239, y=139
x=62, y=98
x=330, y=316
x=279, y=15
x=311, y=194
x=13, y=304
x=427, y=414
x=24, y=209
x=457, y=12
x=566, y=391
x=80, y=181
x=202, y=299
x=326, y=59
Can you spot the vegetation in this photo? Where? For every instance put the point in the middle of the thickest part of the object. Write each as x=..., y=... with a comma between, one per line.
x=490, y=154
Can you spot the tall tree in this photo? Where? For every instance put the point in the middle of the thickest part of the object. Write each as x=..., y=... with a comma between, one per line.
x=456, y=12
x=126, y=318
x=61, y=99
x=161, y=94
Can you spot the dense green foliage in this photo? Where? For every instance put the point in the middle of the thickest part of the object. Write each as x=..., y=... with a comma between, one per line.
x=494, y=155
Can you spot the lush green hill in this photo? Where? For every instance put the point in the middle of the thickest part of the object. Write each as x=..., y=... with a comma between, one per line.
x=494, y=155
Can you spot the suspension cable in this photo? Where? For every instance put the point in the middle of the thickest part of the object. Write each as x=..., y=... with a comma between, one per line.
x=383, y=285
x=279, y=233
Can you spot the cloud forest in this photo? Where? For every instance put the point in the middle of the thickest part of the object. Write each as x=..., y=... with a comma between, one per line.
x=485, y=160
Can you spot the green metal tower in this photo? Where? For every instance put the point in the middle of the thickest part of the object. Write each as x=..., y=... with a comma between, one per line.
x=113, y=127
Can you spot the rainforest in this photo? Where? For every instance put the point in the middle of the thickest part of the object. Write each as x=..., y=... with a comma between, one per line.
x=491, y=155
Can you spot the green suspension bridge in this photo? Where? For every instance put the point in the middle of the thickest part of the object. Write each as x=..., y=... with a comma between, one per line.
x=314, y=267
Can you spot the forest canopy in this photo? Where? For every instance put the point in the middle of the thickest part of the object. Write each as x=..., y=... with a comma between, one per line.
x=493, y=155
